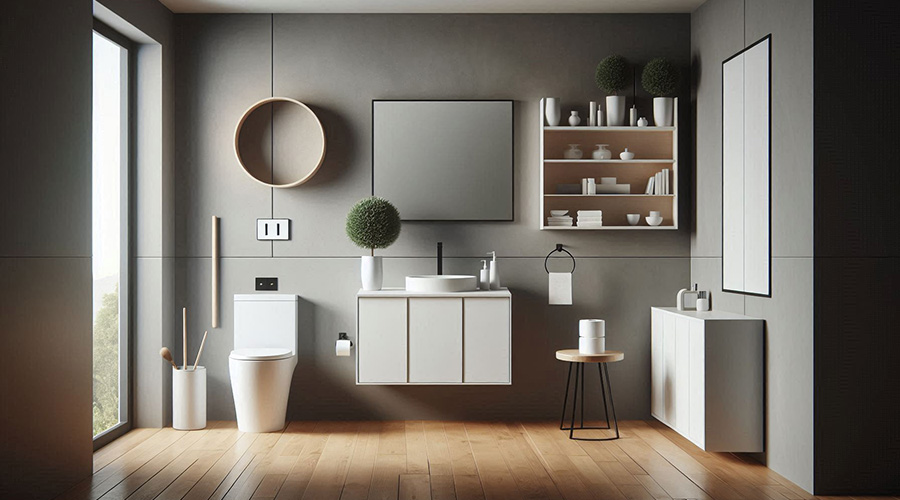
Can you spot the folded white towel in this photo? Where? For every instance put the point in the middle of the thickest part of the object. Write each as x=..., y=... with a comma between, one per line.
x=590, y=212
x=590, y=224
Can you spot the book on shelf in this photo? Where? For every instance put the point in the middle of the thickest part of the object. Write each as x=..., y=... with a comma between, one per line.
x=650, y=186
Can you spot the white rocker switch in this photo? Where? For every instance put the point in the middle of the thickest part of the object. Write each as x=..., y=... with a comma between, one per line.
x=273, y=229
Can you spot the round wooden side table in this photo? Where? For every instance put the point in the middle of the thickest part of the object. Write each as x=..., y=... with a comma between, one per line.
x=578, y=360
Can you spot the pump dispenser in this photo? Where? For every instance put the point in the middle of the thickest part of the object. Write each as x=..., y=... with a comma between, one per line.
x=484, y=277
x=494, y=273
x=679, y=299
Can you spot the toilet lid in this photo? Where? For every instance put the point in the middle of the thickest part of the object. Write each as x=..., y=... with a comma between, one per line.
x=261, y=354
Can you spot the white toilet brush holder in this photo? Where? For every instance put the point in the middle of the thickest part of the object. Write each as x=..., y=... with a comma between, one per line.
x=189, y=398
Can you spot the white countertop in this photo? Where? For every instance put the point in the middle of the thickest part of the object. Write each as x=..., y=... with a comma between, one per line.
x=708, y=315
x=400, y=292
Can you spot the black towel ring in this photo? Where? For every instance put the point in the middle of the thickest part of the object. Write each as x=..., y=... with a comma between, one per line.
x=559, y=248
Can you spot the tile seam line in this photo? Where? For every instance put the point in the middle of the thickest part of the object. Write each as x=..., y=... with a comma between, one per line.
x=396, y=257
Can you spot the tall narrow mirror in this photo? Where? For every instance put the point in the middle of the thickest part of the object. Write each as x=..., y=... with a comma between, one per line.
x=746, y=169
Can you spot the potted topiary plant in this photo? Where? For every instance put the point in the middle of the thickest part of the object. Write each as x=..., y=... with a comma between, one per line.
x=373, y=223
x=611, y=77
x=660, y=78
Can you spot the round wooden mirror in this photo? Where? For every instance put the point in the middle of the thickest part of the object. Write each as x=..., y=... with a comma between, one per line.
x=279, y=142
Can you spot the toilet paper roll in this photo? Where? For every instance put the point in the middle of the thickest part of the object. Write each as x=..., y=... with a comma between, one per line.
x=592, y=328
x=591, y=346
x=342, y=348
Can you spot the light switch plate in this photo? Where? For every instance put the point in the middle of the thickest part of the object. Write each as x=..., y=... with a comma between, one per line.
x=273, y=229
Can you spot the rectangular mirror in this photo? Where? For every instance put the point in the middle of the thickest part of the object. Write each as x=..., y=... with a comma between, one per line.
x=444, y=160
x=746, y=169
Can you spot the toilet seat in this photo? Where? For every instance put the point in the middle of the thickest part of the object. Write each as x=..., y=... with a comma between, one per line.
x=260, y=354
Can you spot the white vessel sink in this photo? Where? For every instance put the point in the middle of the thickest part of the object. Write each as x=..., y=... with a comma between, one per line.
x=446, y=283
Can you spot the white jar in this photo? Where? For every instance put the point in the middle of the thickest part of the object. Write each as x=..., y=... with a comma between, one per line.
x=573, y=153
x=574, y=119
x=602, y=153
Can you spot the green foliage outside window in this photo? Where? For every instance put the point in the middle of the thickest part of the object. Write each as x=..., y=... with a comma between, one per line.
x=106, y=363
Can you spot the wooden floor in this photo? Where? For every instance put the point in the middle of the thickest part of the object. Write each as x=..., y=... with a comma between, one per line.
x=421, y=460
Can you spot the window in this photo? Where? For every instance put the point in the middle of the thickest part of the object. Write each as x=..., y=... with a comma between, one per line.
x=110, y=233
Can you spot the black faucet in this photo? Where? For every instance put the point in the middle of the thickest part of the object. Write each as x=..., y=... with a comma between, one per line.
x=440, y=259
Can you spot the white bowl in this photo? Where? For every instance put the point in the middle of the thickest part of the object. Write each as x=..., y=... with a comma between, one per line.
x=654, y=221
x=558, y=213
x=654, y=213
x=633, y=219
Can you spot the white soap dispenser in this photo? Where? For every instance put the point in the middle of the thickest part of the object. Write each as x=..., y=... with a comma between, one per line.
x=484, y=277
x=679, y=299
x=495, y=274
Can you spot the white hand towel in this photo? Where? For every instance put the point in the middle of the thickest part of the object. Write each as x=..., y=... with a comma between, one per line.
x=560, y=292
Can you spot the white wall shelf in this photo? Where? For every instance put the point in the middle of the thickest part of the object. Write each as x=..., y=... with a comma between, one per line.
x=655, y=148
x=608, y=161
x=607, y=228
x=608, y=195
x=606, y=129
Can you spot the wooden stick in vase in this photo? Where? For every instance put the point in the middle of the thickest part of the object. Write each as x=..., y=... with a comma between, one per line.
x=184, y=336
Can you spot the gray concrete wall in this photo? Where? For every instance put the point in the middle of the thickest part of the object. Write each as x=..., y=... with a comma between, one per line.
x=337, y=64
x=45, y=250
x=857, y=262
x=719, y=29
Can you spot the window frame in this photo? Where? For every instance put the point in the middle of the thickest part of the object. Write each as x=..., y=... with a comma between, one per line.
x=127, y=219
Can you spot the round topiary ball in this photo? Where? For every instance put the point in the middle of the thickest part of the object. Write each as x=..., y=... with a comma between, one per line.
x=373, y=223
x=611, y=74
x=660, y=77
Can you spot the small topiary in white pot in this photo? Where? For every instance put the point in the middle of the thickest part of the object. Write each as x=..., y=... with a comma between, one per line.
x=660, y=78
x=373, y=223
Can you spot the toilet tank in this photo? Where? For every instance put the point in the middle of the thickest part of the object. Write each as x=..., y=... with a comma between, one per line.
x=265, y=320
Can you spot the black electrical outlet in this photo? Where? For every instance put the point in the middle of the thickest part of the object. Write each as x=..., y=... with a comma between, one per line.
x=267, y=284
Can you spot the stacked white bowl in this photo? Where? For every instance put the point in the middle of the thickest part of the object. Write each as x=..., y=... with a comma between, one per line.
x=591, y=336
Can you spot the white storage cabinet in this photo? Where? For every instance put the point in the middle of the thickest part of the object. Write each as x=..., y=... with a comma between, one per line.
x=707, y=377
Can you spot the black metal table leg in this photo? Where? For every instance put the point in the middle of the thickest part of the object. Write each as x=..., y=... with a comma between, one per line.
x=565, y=397
x=605, y=388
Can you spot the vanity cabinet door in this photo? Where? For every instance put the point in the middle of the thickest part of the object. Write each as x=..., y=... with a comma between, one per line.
x=435, y=340
x=381, y=350
x=697, y=383
x=487, y=341
x=682, y=374
x=669, y=362
x=657, y=366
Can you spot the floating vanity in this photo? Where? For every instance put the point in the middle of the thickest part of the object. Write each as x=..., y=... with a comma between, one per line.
x=707, y=377
x=461, y=338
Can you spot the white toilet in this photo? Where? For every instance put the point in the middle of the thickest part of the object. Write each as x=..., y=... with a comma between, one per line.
x=263, y=360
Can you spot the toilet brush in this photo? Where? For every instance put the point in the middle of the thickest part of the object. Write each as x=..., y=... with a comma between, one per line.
x=200, y=351
x=167, y=355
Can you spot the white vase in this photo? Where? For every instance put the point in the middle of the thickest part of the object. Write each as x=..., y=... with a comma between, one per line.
x=615, y=110
x=602, y=153
x=552, y=111
x=574, y=119
x=573, y=152
x=372, y=273
x=662, y=111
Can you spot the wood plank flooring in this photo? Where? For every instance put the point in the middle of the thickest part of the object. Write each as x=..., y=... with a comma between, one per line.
x=419, y=460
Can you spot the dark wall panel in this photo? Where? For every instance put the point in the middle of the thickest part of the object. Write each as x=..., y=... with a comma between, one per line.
x=45, y=247
x=857, y=259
